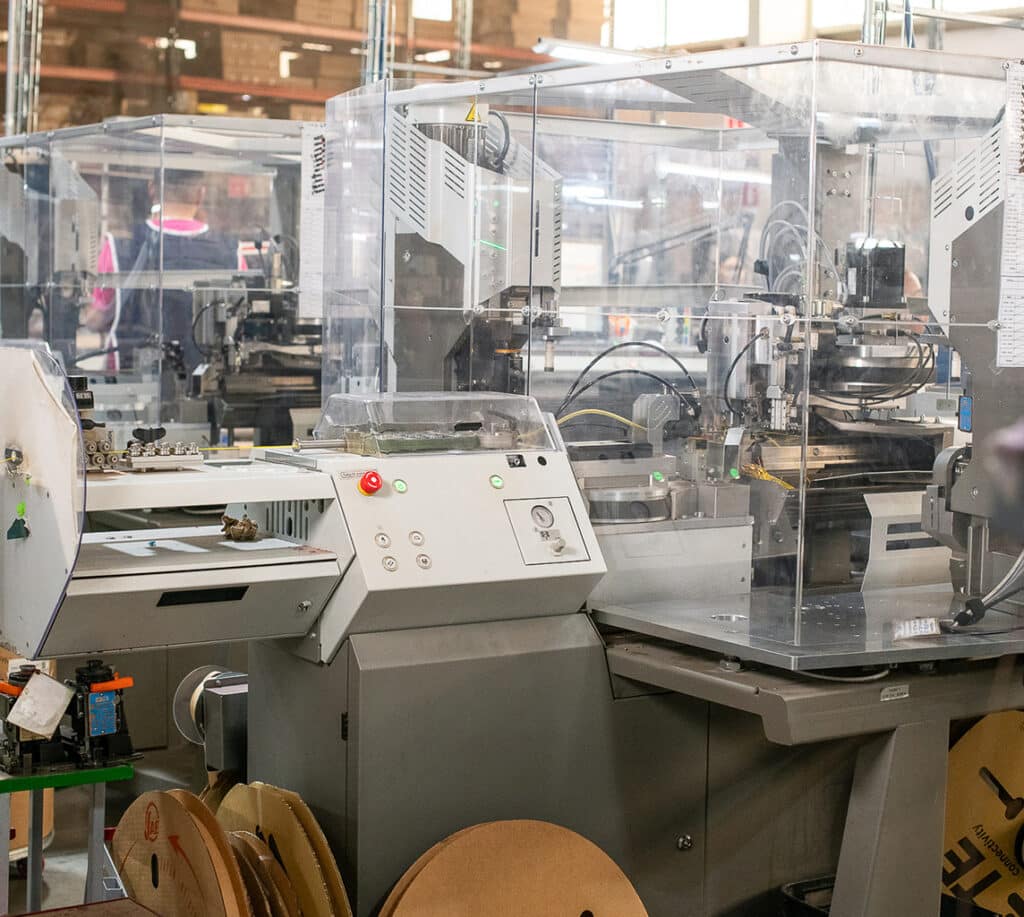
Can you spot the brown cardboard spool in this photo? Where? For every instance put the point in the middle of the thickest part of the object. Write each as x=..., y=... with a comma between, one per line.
x=214, y=792
x=228, y=873
x=259, y=900
x=283, y=900
x=984, y=836
x=164, y=862
x=265, y=813
x=328, y=865
x=520, y=867
x=391, y=902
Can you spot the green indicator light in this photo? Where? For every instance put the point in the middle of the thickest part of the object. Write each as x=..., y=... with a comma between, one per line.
x=21, y=510
x=658, y=476
x=734, y=473
x=500, y=248
x=400, y=486
x=496, y=202
x=497, y=482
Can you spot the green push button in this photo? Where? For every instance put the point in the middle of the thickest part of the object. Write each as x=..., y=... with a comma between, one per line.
x=21, y=510
x=658, y=476
x=497, y=482
x=400, y=486
x=734, y=473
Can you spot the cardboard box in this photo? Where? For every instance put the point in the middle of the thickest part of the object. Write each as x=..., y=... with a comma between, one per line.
x=306, y=112
x=211, y=6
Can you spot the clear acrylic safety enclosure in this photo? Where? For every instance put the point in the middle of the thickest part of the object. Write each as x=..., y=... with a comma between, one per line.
x=388, y=423
x=733, y=278
x=161, y=256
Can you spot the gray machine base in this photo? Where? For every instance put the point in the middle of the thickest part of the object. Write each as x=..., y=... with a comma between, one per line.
x=409, y=736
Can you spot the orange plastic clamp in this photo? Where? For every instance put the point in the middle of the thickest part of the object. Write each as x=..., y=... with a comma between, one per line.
x=116, y=685
x=9, y=689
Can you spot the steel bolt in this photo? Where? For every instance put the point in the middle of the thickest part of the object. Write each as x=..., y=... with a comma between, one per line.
x=303, y=607
x=684, y=842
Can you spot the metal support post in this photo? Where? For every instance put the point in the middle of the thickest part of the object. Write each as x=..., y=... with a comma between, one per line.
x=94, y=870
x=891, y=858
x=34, y=886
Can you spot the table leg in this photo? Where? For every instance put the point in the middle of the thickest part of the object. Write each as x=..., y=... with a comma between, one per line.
x=5, y=851
x=34, y=892
x=97, y=820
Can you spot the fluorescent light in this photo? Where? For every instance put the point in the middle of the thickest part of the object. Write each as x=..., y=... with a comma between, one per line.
x=493, y=64
x=435, y=57
x=317, y=46
x=740, y=176
x=439, y=10
x=581, y=52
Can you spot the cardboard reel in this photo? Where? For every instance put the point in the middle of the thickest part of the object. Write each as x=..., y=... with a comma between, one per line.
x=516, y=867
x=167, y=864
x=289, y=829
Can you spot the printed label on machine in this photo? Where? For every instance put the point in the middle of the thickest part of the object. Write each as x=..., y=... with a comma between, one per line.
x=1010, y=336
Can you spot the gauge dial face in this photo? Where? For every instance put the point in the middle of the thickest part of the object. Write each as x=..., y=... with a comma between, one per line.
x=543, y=517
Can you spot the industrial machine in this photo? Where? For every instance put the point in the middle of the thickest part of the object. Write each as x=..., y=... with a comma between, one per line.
x=160, y=256
x=680, y=597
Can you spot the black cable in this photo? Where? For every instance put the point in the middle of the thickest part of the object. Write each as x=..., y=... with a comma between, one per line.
x=202, y=348
x=622, y=372
x=746, y=347
x=499, y=160
x=612, y=349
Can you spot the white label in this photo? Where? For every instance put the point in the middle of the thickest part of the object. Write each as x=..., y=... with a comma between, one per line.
x=40, y=707
x=311, y=220
x=916, y=627
x=1010, y=337
x=895, y=692
x=149, y=548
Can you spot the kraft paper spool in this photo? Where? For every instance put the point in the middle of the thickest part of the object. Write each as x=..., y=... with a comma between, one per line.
x=164, y=862
x=984, y=835
x=328, y=865
x=259, y=899
x=283, y=900
x=520, y=867
x=265, y=813
x=403, y=883
x=228, y=873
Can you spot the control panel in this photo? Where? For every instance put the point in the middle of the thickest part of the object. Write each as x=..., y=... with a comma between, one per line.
x=547, y=531
x=457, y=538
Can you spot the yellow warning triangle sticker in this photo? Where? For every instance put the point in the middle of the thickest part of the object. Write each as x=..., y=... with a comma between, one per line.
x=472, y=116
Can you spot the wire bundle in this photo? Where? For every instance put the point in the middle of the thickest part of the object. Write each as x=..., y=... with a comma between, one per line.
x=687, y=399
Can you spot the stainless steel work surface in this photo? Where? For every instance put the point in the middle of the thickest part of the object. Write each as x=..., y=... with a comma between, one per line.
x=174, y=550
x=831, y=631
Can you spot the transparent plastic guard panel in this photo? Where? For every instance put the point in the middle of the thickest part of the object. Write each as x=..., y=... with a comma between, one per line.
x=162, y=257
x=353, y=222
x=734, y=280
x=398, y=423
x=42, y=493
x=750, y=329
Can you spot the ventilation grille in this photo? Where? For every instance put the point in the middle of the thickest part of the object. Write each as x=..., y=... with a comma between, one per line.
x=407, y=172
x=976, y=176
x=454, y=174
x=289, y=518
x=990, y=170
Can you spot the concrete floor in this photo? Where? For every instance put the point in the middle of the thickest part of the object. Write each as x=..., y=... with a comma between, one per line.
x=64, y=860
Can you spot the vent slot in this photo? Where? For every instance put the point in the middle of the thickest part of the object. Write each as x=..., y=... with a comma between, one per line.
x=289, y=518
x=454, y=176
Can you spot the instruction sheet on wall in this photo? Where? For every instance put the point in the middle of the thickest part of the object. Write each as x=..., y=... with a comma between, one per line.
x=1010, y=337
x=314, y=191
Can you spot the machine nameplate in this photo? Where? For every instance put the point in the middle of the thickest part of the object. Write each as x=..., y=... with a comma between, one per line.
x=895, y=692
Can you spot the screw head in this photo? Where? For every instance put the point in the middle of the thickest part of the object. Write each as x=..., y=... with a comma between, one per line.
x=684, y=842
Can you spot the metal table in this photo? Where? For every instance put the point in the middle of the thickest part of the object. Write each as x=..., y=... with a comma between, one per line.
x=831, y=631
x=34, y=784
x=891, y=856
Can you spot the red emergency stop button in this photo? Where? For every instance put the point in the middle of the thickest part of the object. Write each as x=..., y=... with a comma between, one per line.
x=370, y=483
